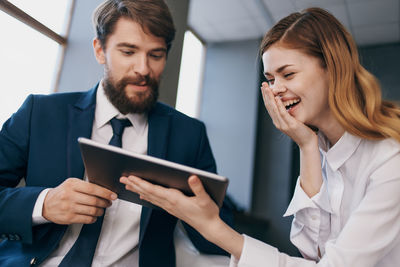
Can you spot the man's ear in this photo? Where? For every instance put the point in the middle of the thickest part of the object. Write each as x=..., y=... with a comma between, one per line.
x=98, y=51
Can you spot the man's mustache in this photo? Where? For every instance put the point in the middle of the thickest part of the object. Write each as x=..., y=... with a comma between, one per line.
x=139, y=80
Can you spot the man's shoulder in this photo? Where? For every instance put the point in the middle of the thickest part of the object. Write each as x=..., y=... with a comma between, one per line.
x=60, y=96
x=84, y=98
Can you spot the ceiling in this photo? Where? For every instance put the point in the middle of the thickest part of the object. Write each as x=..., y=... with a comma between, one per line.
x=370, y=22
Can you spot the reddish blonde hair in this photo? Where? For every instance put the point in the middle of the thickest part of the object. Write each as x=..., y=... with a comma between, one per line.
x=354, y=94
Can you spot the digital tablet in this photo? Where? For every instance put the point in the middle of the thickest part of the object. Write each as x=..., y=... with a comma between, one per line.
x=105, y=164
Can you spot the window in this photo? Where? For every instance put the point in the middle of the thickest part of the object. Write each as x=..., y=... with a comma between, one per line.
x=190, y=76
x=31, y=49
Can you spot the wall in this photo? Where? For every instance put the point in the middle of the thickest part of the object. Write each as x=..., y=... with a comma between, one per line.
x=80, y=70
x=229, y=109
x=383, y=62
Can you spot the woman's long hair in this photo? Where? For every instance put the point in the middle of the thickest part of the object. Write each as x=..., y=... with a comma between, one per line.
x=355, y=96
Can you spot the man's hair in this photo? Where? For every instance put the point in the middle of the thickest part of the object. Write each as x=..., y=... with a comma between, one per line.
x=354, y=93
x=153, y=15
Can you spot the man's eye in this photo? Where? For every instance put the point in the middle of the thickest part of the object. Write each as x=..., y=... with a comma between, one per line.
x=128, y=53
x=288, y=75
x=157, y=56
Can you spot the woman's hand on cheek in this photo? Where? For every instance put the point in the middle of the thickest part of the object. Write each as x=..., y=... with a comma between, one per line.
x=199, y=211
x=283, y=121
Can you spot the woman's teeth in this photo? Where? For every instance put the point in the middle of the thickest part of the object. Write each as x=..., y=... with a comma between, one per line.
x=290, y=103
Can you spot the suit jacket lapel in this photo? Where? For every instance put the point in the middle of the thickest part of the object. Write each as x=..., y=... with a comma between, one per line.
x=80, y=122
x=158, y=133
x=159, y=123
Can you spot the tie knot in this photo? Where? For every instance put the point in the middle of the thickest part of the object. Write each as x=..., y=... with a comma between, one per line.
x=118, y=125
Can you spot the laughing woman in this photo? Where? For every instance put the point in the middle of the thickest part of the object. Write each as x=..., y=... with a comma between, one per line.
x=346, y=204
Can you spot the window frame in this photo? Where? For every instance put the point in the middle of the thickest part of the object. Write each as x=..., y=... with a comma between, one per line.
x=62, y=40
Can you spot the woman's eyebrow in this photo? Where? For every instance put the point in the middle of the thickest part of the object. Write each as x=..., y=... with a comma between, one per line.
x=280, y=69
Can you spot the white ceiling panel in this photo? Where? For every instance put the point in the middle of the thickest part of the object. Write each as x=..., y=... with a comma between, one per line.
x=370, y=21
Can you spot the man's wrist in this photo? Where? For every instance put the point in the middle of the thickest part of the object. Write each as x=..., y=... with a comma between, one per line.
x=37, y=214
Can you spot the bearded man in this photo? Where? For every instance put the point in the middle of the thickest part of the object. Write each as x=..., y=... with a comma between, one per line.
x=60, y=219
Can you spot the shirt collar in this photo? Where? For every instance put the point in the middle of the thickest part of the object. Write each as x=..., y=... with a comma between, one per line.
x=338, y=154
x=105, y=111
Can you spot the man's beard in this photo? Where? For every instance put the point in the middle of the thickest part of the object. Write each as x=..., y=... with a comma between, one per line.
x=141, y=102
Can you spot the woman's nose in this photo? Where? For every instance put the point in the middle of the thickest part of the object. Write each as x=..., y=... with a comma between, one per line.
x=278, y=88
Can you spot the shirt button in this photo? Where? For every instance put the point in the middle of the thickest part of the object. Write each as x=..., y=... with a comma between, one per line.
x=33, y=261
x=313, y=217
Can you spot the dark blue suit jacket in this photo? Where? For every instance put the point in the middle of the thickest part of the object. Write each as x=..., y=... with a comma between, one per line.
x=39, y=143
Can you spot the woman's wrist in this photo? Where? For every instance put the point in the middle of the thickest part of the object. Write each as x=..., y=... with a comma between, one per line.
x=310, y=146
x=310, y=168
x=221, y=234
x=209, y=229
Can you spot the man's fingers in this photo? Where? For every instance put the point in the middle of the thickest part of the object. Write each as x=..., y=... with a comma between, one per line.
x=90, y=200
x=91, y=211
x=85, y=219
x=94, y=190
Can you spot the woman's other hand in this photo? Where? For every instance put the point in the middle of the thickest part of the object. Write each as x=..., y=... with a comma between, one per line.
x=283, y=121
x=306, y=139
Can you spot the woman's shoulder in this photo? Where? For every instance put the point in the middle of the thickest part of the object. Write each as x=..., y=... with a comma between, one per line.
x=384, y=155
x=387, y=146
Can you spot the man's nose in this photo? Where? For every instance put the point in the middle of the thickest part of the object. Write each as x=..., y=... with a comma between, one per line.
x=142, y=65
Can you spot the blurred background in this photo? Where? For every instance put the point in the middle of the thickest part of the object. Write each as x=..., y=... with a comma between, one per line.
x=213, y=74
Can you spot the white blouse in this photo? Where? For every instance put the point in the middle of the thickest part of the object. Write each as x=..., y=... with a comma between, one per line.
x=355, y=218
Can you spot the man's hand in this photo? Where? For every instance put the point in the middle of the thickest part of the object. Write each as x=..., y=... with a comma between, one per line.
x=76, y=201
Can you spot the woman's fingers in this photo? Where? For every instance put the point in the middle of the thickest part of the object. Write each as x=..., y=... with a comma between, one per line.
x=287, y=121
x=140, y=186
x=162, y=196
x=198, y=210
x=270, y=104
x=197, y=187
x=274, y=111
x=158, y=195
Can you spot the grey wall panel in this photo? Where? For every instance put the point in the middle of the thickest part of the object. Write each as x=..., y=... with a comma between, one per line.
x=229, y=109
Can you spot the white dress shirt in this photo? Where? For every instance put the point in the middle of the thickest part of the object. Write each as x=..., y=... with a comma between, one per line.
x=355, y=218
x=118, y=241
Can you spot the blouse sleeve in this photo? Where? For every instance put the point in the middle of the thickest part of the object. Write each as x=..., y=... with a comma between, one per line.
x=310, y=225
x=370, y=234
